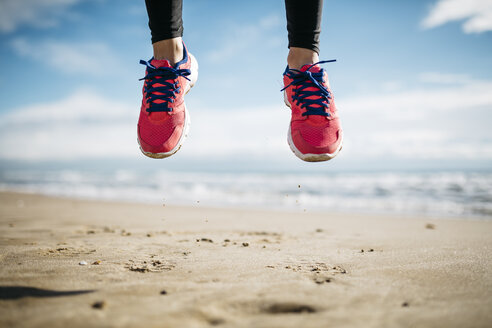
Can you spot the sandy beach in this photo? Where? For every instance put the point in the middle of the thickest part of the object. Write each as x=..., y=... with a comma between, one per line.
x=82, y=263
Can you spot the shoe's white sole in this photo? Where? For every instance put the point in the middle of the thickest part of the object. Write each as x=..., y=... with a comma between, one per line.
x=193, y=79
x=310, y=157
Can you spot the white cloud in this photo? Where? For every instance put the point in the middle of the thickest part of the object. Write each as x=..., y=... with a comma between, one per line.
x=37, y=13
x=476, y=14
x=84, y=125
x=82, y=106
x=444, y=122
x=239, y=133
x=440, y=78
x=69, y=57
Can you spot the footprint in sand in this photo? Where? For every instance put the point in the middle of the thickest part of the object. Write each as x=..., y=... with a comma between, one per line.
x=68, y=251
x=317, y=267
x=288, y=307
x=320, y=273
x=216, y=321
x=322, y=280
x=149, y=266
x=273, y=237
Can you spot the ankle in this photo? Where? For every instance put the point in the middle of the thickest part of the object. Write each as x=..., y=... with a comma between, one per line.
x=170, y=49
x=299, y=57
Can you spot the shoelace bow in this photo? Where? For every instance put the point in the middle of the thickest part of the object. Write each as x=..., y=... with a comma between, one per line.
x=308, y=79
x=167, y=91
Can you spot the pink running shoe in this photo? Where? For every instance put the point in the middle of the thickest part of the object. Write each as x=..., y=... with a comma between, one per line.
x=315, y=133
x=164, y=120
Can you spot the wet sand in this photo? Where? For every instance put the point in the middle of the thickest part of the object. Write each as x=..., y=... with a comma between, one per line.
x=81, y=263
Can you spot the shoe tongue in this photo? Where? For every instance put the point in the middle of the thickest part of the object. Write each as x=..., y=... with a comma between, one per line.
x=314, y=69
x=158, y=63
x=316, y=119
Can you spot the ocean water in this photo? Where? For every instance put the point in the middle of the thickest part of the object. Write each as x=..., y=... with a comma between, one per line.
x=430, y=194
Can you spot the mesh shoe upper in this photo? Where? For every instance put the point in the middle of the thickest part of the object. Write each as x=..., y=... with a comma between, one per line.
x=162, y=115
x=315, y=126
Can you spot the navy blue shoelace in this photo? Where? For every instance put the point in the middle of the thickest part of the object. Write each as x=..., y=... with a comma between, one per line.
x=167, y=89
x=304, y=80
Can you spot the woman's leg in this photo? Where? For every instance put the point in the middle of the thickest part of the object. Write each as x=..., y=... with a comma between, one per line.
x=315, y=133
x=304, y=28
x=164, y=120
x=166, y=27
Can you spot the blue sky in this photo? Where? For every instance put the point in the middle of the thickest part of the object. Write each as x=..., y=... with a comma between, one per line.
x=413, y=82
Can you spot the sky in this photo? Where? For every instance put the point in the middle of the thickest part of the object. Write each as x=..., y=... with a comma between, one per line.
x=412, y=83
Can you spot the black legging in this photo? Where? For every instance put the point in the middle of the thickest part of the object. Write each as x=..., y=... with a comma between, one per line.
x=303, y=21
